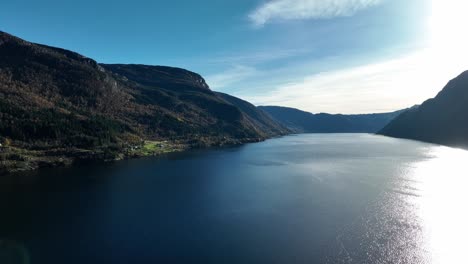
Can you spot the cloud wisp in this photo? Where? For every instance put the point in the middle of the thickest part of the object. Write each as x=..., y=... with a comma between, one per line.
x=277, y=10
x=231, y=76
x=257, y=57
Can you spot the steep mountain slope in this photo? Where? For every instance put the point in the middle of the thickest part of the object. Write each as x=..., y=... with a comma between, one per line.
x=60, y=104
x=442, y=120
x=196, y=111
x=305, y=122
x=258, y=118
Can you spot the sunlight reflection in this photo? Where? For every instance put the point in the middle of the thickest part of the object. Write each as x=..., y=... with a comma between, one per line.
x=443, y=182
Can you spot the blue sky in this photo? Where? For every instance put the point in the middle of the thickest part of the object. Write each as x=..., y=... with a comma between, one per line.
x=337, y=56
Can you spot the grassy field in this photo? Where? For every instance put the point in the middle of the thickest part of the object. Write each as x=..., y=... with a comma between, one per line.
x=151, y=148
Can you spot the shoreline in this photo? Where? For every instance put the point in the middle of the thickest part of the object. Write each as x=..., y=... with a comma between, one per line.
x=14, y=159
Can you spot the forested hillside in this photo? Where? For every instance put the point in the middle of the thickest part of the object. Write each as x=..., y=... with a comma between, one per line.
x=57, y=106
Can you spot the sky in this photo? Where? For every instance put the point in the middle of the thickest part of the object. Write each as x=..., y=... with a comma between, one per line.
x=334, y=56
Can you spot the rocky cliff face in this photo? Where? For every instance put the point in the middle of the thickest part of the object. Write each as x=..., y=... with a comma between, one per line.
x=160, y=76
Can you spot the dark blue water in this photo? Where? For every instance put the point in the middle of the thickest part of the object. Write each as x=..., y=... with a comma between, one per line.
x=299, y=199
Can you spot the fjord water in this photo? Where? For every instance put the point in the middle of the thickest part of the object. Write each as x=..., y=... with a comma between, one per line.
x=336, y=198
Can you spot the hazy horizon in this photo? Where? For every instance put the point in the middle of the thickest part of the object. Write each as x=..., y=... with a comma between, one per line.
x=328, y=56
x=213, y=157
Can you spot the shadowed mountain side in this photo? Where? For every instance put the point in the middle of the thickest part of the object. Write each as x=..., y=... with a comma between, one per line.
x=305, y=122
x=442, y=120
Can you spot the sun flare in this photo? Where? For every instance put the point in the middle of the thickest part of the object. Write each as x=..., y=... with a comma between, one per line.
x=448, y=39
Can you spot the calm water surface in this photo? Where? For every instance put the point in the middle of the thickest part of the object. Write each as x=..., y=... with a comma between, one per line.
x=349, y=198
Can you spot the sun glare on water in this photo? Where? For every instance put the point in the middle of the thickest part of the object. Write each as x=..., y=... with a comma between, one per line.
x=443, y=196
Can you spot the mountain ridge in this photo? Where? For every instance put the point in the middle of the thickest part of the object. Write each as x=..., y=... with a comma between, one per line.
x=305, y=122
x=58, y=107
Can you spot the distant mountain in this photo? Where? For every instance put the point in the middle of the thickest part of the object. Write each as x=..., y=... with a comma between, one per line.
x=442, y=120
x=59, y=104
x=305, y=122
